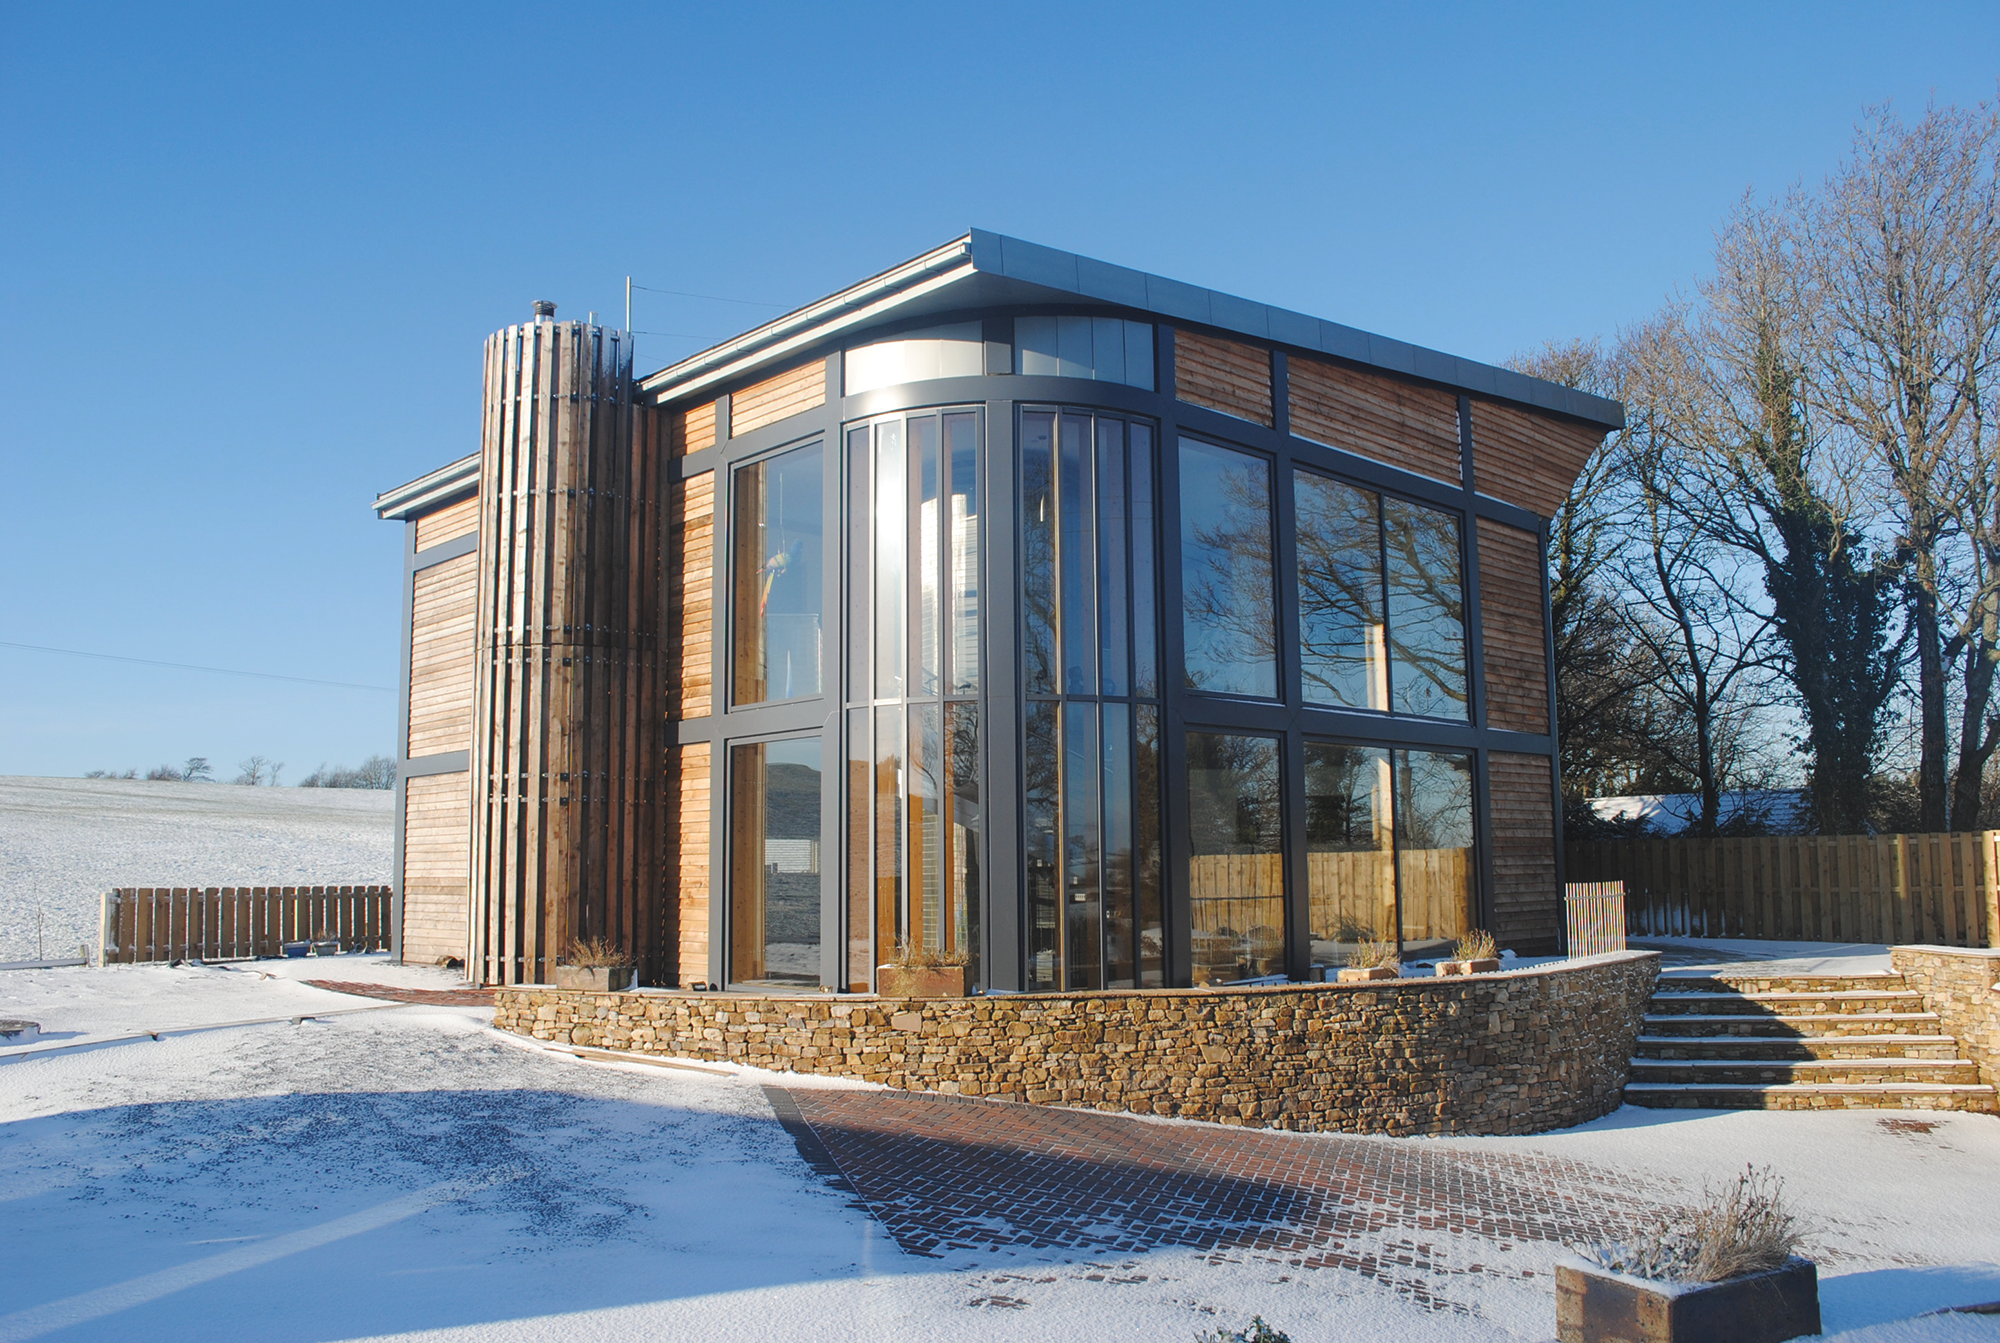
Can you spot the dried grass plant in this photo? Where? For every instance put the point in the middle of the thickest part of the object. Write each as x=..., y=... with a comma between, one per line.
x=595, y=952
x=1740, y=1228
x=1367, y=955
x=1475, y=945
x=915, y=956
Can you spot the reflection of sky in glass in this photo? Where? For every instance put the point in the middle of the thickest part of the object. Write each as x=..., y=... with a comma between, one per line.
x=1226, y=593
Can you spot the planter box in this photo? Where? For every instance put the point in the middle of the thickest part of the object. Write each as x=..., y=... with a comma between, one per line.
x=1595, y=1305
x=597, y=978
x=18, y=1032
x=1351, y=975
x=938, y=981
x=295, y=950
x=325, y=947
x=1484, y=966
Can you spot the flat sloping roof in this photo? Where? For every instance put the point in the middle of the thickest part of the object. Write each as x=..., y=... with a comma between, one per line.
x=984, y=268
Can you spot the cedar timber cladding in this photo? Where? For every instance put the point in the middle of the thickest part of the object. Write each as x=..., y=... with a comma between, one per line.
x=687, y=881
x=1396, y=423
x=442, y=602
x=567, y=756
x=437, y=851
x=1526, y=458
x=448, y=523
x=691, y=596
x=1512, y=616
x=692, y=429
x=778, y=397
x=1526, y=903
x=1223, y=375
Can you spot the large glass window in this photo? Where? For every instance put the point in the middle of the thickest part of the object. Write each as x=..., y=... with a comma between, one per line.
x=1389, y=840
x=1227, y=597
x=1089, y=665
x=774, y=898
x=1106, y=349
x=780, y=576
x=1381, y=601
x=915, y=814
x=1236, y=868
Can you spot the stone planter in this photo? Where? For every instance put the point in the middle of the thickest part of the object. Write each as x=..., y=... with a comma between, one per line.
x=597, y=978
x=1484, y=966
x=937, y=981
x=1353, y=975
x=1595, y=1305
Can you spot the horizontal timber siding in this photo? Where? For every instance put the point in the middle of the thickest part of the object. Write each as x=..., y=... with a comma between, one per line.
x=448, y=523
x=688, y=777
x=778, y=397
x=1527, y=907
x=437, y=866
x=1511, y=615
x=1398, y=424
x=690, y=596
x=691, y=430
x=1223, y=375
x=1527, y=459
x=443, y=602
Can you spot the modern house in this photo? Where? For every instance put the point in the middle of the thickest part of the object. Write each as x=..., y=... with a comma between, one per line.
x=1108, y=631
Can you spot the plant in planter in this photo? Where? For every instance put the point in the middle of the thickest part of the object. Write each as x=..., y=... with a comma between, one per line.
x=1474, y=953
x=1254, y=1332
x=1728, y=1270
x=1372, y=960
x=922, y=972
x=595, y=966
x=322, y=945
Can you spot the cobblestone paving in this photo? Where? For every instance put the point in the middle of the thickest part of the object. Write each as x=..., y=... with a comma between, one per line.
x=466, y=997
x=960, y=1178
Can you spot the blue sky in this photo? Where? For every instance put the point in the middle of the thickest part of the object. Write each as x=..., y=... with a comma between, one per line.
x=250, y=253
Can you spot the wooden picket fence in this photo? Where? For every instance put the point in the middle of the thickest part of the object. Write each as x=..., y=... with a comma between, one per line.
x=1594, y=914
x=221, y=923
x=1940, y=889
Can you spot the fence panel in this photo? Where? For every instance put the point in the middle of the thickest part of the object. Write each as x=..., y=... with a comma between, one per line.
x=1942, y=889
x=1595, y=913
x=149, y=923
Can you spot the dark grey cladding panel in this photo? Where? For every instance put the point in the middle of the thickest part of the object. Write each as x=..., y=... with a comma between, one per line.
x=1038, y=264
x=1343, y=342
x=1294, y=328
x=1171, y=298
x=1239, y=314
x=1113, y=284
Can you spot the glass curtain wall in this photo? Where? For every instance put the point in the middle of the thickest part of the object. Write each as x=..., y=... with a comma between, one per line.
x=1236, y=867
x=1091, y=677
x=774, y=843
x=1227, y=595
x=915, y=814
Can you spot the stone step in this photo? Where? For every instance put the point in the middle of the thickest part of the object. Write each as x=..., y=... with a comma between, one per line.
x=1830, y=1072
x=1797, y=1048
x=1810, y=1096
x=1787, y=1004
x=1790, y=1026
x=1724, y=981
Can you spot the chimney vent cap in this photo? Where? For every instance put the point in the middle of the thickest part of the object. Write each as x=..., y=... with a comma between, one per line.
x=545, y=311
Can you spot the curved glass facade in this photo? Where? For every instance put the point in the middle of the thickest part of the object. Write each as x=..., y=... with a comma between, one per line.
x=1106, y=690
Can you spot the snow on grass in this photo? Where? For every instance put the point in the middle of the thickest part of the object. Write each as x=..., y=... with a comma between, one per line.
x=64, y=842
x=411, y=1174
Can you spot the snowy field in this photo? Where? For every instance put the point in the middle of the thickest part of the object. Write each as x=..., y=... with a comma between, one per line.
x=64, y=842
x=409, y=1173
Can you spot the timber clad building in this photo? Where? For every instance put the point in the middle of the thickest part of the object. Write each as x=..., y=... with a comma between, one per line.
x=1112, y=632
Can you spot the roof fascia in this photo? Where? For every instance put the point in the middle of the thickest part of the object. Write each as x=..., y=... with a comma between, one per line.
x=425, y=492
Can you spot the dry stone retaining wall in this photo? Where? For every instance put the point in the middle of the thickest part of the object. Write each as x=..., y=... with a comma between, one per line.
x=1959, y=985
x=1518, y=1052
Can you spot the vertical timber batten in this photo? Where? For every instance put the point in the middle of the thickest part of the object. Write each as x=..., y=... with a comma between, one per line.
x=567, y=753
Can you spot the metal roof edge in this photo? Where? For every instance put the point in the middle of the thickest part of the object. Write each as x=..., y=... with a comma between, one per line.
x=1066, y=272
x=434, y=488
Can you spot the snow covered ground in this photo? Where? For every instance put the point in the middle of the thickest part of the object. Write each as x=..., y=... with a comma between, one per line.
x=410, y=1173
x=64, y=842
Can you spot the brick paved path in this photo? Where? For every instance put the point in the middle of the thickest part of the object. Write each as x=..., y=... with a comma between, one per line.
x=466, y=997
x=946, y=1175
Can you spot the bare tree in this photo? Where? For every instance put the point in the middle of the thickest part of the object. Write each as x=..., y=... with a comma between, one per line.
x=1904, y=250
x=257, y=770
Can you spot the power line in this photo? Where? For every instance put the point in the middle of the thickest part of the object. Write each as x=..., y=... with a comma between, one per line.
x=714, y=298
x=190, y=666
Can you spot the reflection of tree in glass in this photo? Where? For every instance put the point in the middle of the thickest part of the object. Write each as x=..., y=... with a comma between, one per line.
x=1340, y=594
x=1226, y=571
x=1434, y=800
x=1341, y=799
x=1233, y=794
x=1426, y=609
x=1038, y=554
